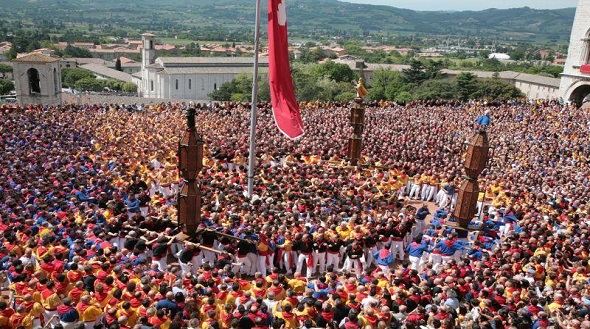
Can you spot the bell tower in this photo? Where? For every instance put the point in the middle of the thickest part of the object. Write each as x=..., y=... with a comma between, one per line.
x=37, y=79
x=575, y=80
x=148, y=53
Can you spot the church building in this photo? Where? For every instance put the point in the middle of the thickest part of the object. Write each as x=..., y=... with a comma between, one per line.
x=575, y=80
x=187, y=78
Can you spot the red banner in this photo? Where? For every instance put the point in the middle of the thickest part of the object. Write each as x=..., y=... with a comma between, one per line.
x=282, y=93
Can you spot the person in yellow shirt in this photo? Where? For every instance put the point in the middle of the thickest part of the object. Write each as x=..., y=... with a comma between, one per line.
x=88, y=310
x=298, y=283
x=343, y=231
x=557, y=303
x=35, y=311
x=288, y=316
x=128, y=312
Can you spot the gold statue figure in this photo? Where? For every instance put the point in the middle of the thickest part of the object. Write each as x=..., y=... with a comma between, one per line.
x=361, y=90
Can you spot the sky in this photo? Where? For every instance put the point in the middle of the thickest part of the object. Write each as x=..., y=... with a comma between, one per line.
x=470, y=4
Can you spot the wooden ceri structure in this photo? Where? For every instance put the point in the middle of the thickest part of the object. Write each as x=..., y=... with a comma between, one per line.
x=357, y=121
x=190, y=163
x=476, y=159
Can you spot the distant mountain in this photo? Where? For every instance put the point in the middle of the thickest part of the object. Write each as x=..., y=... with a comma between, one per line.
x=306, y=17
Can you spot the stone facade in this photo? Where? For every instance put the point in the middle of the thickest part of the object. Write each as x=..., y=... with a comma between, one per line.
x=37, y=79
x=575, y=85
x=188, y=77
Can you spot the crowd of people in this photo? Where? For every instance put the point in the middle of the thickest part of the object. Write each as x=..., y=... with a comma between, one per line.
x=89, y=232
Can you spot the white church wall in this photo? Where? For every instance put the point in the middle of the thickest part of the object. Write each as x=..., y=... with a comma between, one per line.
x=578, y=51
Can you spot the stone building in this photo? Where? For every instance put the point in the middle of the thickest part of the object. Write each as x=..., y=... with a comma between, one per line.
x=575, y=80
x=37, y=79
x=188, y=77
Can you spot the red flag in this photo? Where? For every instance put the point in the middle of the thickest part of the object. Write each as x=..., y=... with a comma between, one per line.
x=284, y=105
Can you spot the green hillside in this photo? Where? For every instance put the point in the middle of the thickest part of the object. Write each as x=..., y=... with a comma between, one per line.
x=307, y=18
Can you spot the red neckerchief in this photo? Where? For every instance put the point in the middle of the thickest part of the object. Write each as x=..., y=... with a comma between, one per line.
x=328, y=316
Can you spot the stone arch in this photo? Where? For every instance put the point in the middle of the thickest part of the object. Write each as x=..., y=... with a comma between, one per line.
x=579, y=95
x=34, y=81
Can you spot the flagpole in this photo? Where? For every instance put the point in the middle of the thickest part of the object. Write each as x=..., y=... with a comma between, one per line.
x=254, y=108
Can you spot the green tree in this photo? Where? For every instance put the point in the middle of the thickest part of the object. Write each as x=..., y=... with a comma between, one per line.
x=224, y=93
x=305, y=84
x=89, y=84
x=496, y=89
x=329, y=90
x=71, y=51
x=240, y=89
x=312, y=55
x=112, y=84
x=403, y=97
x=71, y=75
x=129, y=87
x=434, y=89
x=381, y=82
x=433, y=69
x=334, y=71
x=345, y=97
x=466, y=85
x=4, y=69
x=11, y=53
x=6, y=86
x=416, y=73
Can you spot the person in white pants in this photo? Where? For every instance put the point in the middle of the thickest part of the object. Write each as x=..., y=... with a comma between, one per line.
x=425, y=191
x=306, y=258
x=416, y=250
x=245, y=266
x=355, y=258
x=436, y=260
x=333, y=260
x=209, y=257
x=252, y=263
x=305, y=249
x=333, y=253
x=397, y=242
x=319, y=256
x=431, y=192
x=288, y=260
x=439, y=199
x=415, y=191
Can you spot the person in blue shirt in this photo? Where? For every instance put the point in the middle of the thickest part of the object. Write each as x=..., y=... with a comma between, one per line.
x=446, y=248
x=421, y=215
x=168, y=303
x=415, y=250
x=384, y=258
x=67, y=313
x=476, y=252
x=82, y=195
x=132, y=204
x=483, y=121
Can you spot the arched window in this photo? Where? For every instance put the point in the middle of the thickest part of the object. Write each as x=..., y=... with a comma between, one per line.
x=176, y=84
x=34, y=82
x=214, y=86
x=190, y=84
x=56, y=81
